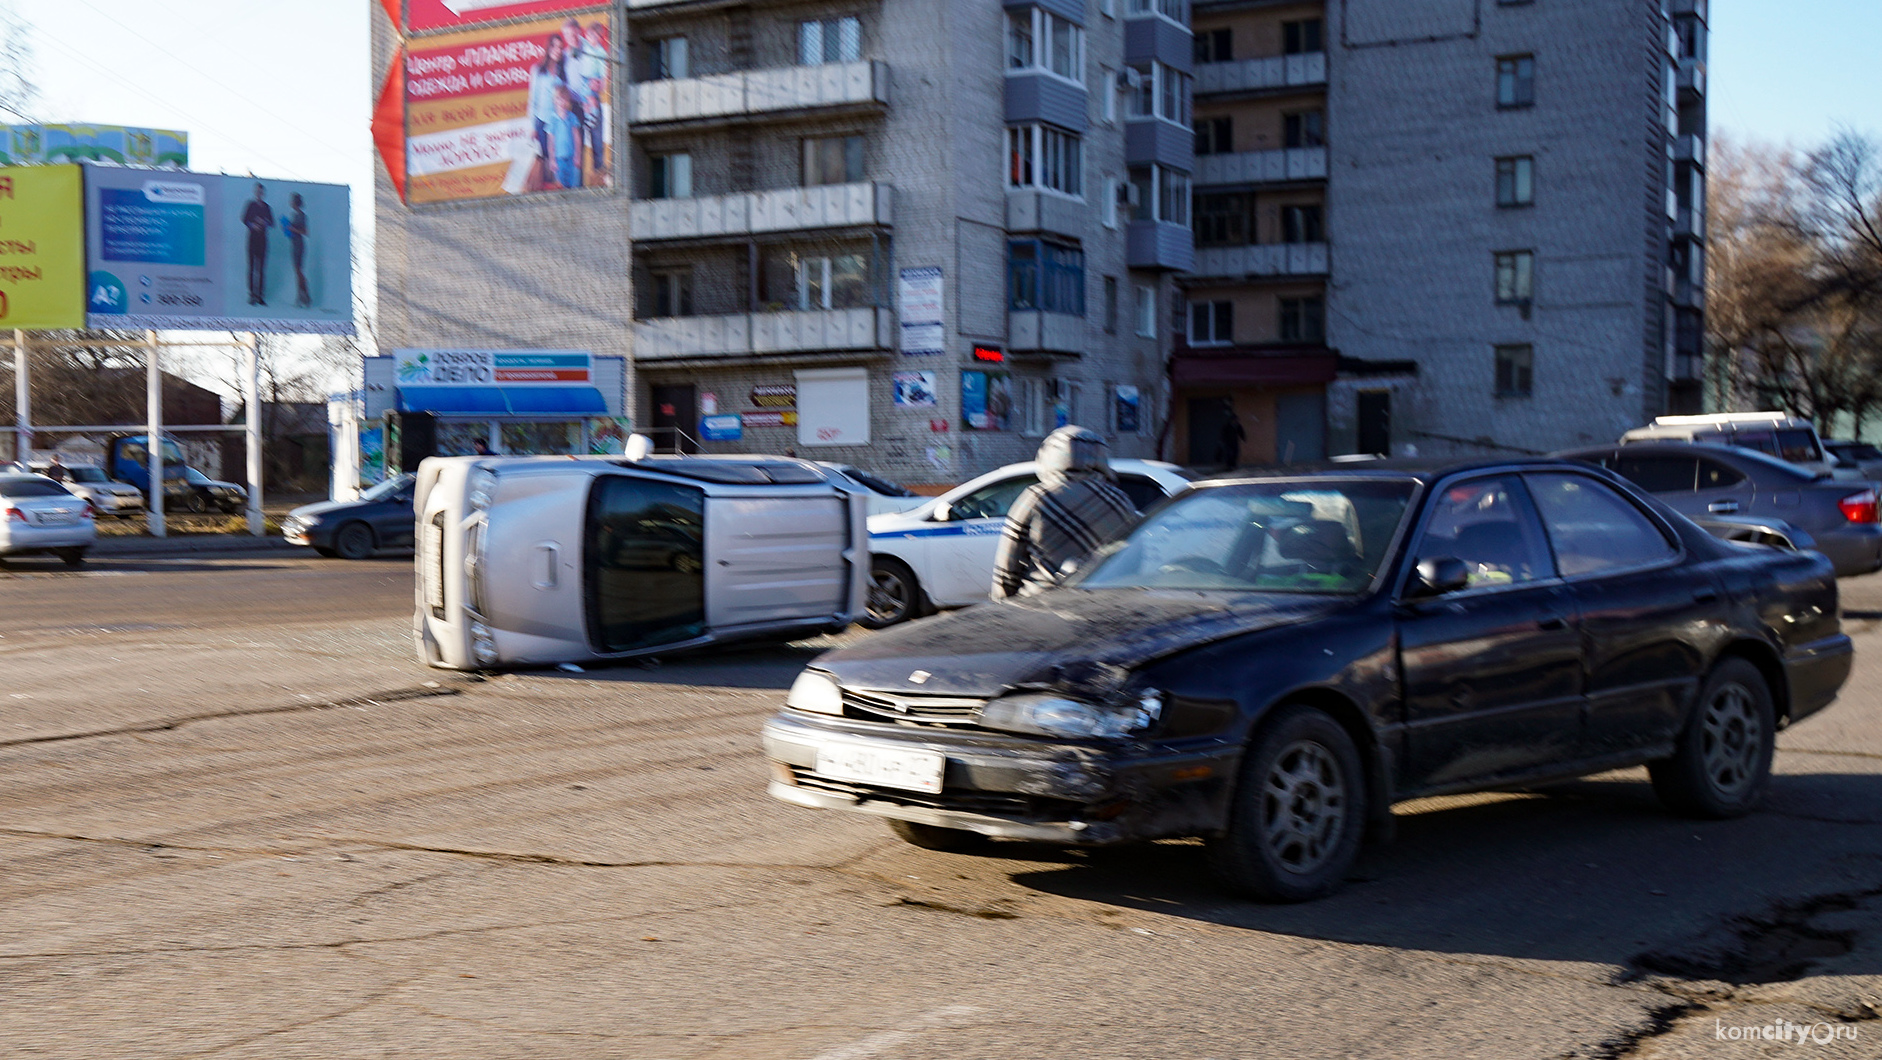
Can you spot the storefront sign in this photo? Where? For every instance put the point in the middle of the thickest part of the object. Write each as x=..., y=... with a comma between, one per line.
x=727, y=428
x=920, y=312
x=774, y=396
x=42, y=248
x=770, y=418
x=492, y=367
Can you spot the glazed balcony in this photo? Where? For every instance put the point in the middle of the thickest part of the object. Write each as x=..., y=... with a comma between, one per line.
x=751, y=213
x=1263, y=259
x=757, y=334
x=1278, y=166
x=1260, y=75
x=743, y=93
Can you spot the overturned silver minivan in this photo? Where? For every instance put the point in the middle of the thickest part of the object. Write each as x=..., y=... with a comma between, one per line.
x=540, y=560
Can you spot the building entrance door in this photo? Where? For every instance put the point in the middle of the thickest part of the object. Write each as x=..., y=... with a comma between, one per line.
x=1300, y=426
x=1212, y=442
x=1375, y=422
x=675, y=418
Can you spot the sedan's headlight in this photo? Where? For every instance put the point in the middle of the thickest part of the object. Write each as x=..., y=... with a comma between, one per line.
x=1045, y=714
x=815, y=693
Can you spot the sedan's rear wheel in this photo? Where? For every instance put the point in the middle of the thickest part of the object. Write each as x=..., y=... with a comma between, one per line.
x=1723, y=762
x=353, y=541
x=894, y=595
x=73, y=557
x=1299, y=811
x=934, y=837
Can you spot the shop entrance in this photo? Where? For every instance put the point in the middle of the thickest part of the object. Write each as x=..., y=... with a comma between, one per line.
x=675, y=417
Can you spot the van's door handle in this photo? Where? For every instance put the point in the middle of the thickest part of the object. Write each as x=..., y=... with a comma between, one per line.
x=1552, y=622
x=1722, y=507
x=1704, y=596
x=550, y=557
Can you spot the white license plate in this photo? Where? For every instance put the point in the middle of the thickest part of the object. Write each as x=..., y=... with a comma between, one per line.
x=868, y=764
x=431, y=567
x=57, y=517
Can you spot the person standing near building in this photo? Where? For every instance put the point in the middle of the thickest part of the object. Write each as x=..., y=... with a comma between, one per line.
x=55, y=469
x=257, y=217
x=1073, y=510
x=1228, y=451
x=297, y=239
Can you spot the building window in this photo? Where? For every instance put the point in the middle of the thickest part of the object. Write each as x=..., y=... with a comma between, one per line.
x=1516, y=81
x=1107, y=93
x=1110, y=305
x=1038, y=39
x=1159, y=91
x=1040, y=156
x=833, y=40
x=1302, y=224
x=1160, y=194
x=1516, y=181
x=1212, y=136
x=673, y=293
x=1303, y=320
x=667, y=59
x=1211, y=323
x=1515, y=277
x=1307, y=128
x=1515, y=370
x=1176, y=11
x=1045, y=276
x=670, y=176
x=1115, y=191
x=1225, y=220
x=838, y=282
x=1212, y=45
x=833, y=160
x=1146, y=312
x=1303, y=37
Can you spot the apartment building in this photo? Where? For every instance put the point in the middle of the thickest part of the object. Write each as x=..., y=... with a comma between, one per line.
x=1455, y=226
x=912, y=235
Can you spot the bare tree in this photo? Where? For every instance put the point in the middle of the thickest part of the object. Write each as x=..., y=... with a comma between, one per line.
x=19, y=93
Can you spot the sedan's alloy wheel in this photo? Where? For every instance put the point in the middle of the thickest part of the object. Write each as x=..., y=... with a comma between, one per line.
x=1730, y=737
x=1303, y=806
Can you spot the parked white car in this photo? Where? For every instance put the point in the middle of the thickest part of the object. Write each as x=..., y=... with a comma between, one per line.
x=941, y=554
x=107, y=496
x=884, y=496
x=39, y=515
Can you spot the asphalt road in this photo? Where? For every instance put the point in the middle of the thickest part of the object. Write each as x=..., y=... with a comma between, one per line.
x=240, y=820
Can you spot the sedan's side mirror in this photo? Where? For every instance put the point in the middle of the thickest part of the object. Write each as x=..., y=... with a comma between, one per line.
x=942, y=512
x=1440, y=575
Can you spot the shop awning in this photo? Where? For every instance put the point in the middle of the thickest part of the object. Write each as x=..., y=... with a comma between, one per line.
x=1254, y=369
x=503, y=400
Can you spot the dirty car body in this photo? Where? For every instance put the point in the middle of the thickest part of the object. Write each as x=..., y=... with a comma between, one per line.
x=1569, y=651
x=530, y=561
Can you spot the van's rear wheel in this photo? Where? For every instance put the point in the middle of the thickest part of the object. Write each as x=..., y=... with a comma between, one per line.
x=894, y=595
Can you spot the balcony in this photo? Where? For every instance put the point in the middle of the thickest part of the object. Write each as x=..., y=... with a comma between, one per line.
x=1690, y=7
x=1690, y=148
x=1263, y=259
x=1687, y=293
x=757, y=334
x=783, y=210
x=751, y=92
x=1159, y=245
x=1691, y=79
x=1256, y=75
x=1689, y=223
x=1262, y=167
x=1036, y=330
x=1028, y=210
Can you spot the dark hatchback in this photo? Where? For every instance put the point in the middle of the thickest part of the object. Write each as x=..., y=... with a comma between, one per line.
x=1271, y=663
x=381, y=518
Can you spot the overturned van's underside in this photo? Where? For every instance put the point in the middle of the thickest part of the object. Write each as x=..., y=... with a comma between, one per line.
x=528, y=561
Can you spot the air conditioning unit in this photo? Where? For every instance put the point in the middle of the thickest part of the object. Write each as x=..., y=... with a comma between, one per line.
x=1130, y=80
x=1127, y=194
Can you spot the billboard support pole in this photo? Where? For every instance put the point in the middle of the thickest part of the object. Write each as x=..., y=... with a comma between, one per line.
x=154, y=463
x=252, y=379
x=22, y=400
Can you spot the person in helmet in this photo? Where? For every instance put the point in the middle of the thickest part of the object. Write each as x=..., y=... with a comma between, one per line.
x=1073, y=510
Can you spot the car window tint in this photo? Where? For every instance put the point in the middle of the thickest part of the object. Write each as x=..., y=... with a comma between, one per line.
x=1594, y=528
x=1487, y=524
x=1798, y=445
x=991, y=501
x=644, y=555
x=26, y=487
x=1714, y=475
x=1657, y=473
x=1763, y=441
x=1142, y=491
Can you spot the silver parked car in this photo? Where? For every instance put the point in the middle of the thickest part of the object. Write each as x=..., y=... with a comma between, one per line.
x=39, y=515
x=107, y=496
x=1717, y=482
x=538, y=560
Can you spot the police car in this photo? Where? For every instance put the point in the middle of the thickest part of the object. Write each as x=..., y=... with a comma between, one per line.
x=940, y=554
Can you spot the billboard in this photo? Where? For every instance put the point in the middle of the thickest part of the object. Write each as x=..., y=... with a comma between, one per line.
x=196, y=250
x=26, y=145
x=42, y=247
x=451, y=367
x=508, y=111
x=422, y=15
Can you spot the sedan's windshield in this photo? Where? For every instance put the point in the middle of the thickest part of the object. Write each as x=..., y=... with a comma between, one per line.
x=1292, y=536
x=85, y=474
x=388, y=489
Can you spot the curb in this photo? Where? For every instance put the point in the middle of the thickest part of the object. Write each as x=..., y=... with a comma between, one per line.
x=191, y=544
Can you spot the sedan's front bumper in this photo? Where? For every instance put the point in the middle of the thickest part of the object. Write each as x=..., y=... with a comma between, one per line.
x=1013, y=786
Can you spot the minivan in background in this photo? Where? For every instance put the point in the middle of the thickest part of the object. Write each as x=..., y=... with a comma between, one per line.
x=541, y=560
x=1777, y=434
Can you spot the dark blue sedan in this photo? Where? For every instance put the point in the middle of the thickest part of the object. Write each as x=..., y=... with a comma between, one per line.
x=380, y=518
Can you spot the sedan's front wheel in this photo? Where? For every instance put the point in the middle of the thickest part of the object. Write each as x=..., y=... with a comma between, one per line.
x=894, y=595
x=1723, y=762
x=1299, y=811
x=353, y=541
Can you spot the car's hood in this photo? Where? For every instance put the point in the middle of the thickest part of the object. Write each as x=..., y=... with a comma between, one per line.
x=1062, y=637
x=914, y=518
x=308, y=513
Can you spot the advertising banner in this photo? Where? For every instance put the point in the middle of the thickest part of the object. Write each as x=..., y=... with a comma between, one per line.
x=421, y=15
x=42, y=247
x=723, y=428
x=919, y=310
x=508, y=111
x=28, y=145
x=195, y=250
x=914, y=390
x=986, y=401
x=492, y=368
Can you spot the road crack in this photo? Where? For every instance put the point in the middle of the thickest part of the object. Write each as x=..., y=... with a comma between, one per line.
x=167, y=724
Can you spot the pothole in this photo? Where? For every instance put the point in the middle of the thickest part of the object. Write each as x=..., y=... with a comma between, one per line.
x=1775, y=948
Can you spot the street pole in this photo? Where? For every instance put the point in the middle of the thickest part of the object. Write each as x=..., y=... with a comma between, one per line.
x=153, y=440
x=256, y=525
x=22, y=401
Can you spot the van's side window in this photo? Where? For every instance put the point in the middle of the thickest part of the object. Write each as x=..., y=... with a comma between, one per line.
x=645, y=562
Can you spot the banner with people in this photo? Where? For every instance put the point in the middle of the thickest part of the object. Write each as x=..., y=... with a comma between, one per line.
x=512, y=110
x=199, y=250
